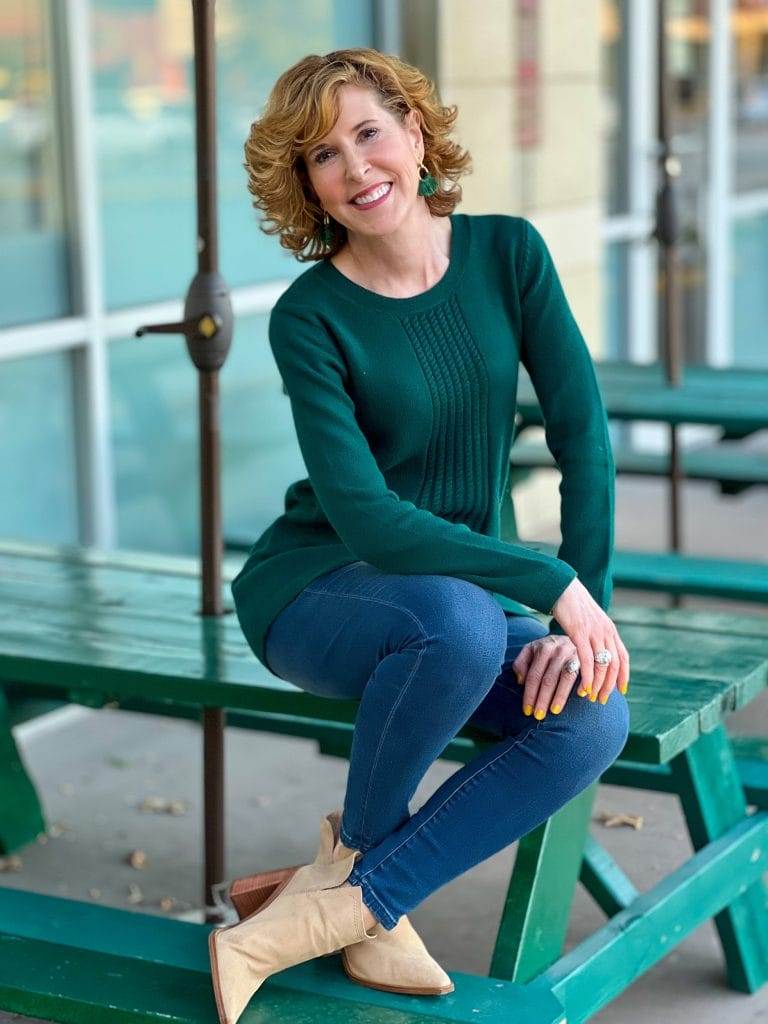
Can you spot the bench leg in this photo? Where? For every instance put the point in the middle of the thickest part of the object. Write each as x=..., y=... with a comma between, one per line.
x=22, y=818
x=707, y=781
x=537, y=908
x=604, y=880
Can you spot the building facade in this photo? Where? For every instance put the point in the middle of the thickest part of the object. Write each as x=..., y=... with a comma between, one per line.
x=97, y=219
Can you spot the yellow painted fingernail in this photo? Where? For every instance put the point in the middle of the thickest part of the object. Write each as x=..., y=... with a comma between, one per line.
x=604, y=700
x=556, y=709
x=623, y=687
x=587, y=690
x=538, y=713
x=528, y=709
x=581, y=692
x=593, y=697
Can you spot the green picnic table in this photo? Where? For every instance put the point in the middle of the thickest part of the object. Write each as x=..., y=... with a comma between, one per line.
x=734, y=399
x=123, y=629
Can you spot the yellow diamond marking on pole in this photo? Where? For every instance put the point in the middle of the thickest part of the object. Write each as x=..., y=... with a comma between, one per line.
x=207, y=326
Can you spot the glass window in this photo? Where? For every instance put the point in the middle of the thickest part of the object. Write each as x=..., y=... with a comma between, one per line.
x=615, y=312
x=614, y=128
x=144, y=89
x=37, y=445
x=34, y=283
x=749, y=21
x=750, y=297
x=155, y=440
x=688, y=29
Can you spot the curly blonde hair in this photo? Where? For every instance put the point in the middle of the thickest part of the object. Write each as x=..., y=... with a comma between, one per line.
x=302, y=108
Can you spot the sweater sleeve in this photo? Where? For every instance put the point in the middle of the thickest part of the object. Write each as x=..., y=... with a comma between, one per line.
x=575, y=424
x=375, y=524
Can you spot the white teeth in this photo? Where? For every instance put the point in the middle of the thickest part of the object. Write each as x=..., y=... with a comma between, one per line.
x=370, y=197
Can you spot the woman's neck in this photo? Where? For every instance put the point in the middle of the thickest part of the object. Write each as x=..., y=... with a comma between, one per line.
x=404, y=262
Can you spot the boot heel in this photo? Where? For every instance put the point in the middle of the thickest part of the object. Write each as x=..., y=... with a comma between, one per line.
x=251, y=892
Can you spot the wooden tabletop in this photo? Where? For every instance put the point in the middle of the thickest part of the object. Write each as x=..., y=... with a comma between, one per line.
x=119, y=624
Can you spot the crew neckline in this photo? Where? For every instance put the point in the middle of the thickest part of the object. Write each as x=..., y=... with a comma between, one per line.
x=373, y=300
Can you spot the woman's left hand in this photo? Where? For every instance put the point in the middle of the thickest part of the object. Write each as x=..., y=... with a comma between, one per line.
x=541, y=667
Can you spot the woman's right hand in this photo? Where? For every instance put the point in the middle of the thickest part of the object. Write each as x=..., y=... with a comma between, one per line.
x=591, y=630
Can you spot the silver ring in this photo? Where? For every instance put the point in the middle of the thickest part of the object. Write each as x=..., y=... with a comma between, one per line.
x=572, y=665
x=604, y=657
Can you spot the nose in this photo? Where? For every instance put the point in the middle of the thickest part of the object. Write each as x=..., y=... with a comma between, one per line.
x=356, y=167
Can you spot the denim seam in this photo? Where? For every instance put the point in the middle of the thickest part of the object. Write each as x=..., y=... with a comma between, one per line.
x=339, y=571
x=401, y=695
x=518, y=742
x=372, y=900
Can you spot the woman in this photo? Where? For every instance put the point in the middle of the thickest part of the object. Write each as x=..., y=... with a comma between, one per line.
x=385, y=579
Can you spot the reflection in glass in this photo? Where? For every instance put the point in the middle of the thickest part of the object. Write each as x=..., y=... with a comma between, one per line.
x=688, y=30
x=154, y=436
x=614, y=99
x=749, y=24
x=34, y=284
x=37, y=445
x=615, y=312
x=750, y=295
x=144, y=90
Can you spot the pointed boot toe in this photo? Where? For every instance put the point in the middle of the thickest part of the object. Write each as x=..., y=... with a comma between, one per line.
x=397, y=962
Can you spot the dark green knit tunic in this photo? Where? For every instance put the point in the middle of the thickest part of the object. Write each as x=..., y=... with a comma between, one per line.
x=404, y=412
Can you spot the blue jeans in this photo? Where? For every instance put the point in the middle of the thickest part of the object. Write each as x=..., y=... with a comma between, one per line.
x=425, y=655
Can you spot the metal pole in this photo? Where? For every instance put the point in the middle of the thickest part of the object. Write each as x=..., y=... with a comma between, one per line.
x=667, y=233
x=208, y=331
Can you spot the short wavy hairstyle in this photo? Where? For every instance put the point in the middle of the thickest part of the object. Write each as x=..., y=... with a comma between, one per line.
x=302, y=108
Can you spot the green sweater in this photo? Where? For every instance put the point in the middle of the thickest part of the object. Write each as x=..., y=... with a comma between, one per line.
x=404, y=412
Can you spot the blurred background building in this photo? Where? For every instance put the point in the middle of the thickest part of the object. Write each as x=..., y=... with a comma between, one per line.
x=97, y=219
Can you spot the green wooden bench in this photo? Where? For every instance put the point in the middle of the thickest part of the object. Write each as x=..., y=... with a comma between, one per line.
x=123, y=630
x=70, y=961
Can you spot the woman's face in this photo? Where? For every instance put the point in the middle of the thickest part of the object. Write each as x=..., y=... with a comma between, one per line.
x=356, y=158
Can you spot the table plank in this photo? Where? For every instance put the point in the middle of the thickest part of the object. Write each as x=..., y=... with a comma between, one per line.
x=737, y=401
x=95, y=624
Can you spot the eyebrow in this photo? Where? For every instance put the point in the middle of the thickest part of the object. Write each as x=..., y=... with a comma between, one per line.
x=321, y=144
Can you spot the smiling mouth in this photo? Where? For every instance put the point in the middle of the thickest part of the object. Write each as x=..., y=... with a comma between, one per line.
x=379, y=193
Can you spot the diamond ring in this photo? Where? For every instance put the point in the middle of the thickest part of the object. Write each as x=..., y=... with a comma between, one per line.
x=604, y=657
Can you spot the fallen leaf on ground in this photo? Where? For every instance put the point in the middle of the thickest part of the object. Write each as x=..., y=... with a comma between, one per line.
x=11, y=863
x=162, y=805
x=137, y=859
x=614, y=820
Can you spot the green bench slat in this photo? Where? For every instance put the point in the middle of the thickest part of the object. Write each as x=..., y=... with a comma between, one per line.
x=697, y=464
x=679, y=573
x=68, y=960
x=672, y=572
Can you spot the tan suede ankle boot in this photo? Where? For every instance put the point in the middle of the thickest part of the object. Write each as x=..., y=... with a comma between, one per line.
x=309, y=914
x=398, y=962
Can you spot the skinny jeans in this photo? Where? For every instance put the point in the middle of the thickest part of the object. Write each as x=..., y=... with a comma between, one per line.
x=426, y=655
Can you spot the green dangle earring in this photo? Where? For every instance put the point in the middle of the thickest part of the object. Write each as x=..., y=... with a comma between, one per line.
x=428, y=183
x=326, y=231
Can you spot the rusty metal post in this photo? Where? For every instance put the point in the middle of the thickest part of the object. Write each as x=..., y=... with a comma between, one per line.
x=207, y=327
